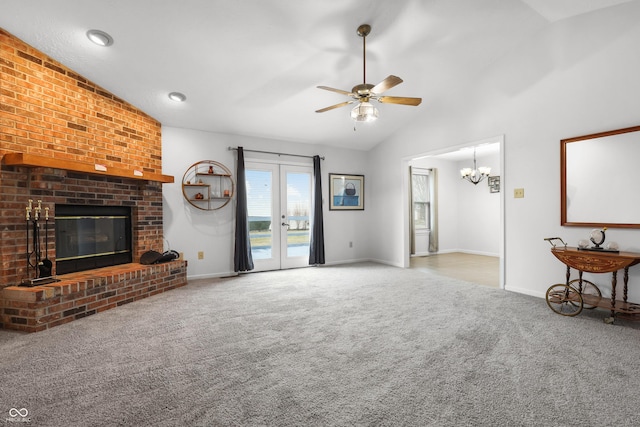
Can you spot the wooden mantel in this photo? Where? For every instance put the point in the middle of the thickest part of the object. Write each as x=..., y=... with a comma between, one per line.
x=32, y=160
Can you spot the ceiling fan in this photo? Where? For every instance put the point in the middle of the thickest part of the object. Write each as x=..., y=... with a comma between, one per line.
x=363, y=93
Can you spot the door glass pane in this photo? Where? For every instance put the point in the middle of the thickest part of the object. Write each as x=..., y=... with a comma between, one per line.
x=298, y=210
x=259, y=208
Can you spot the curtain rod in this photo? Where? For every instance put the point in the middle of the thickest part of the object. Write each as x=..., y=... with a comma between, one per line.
x=274, y=152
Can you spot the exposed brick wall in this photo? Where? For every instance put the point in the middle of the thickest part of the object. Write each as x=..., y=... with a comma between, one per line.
x=48, y=110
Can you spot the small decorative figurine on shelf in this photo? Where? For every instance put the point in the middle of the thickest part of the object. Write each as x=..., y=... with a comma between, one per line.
x=199, y=196
x=210, y=169
x=597, y=237
x=226, y=193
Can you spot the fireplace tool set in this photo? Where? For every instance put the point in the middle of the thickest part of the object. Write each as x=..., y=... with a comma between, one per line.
x=37, y=267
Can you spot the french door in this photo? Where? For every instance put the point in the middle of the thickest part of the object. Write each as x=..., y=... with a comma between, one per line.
x=279, y=207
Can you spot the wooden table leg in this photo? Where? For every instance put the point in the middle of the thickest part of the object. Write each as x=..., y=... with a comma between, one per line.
x=580, y=281
x=614, y=282
x=626, y=281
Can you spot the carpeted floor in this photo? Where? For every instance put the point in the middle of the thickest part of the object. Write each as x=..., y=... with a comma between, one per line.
x=351, y=345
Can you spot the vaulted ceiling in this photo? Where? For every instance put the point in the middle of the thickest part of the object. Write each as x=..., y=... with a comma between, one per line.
x=251, y=67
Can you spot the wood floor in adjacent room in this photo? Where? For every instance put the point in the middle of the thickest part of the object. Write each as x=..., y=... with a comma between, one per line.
x=480, y=269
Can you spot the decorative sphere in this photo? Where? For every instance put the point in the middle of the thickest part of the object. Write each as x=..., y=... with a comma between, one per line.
x=583, y=243
x=613, y=246
x=597, y=236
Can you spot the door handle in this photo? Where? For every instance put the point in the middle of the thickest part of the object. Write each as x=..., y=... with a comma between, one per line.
x=285, y=224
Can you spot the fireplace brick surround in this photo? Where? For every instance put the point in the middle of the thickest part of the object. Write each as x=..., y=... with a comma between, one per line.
x=49, y=112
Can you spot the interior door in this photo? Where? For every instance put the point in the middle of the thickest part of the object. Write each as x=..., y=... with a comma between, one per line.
x=279, y=207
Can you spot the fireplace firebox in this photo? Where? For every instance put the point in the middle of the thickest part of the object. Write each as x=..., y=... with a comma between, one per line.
x=89, y=237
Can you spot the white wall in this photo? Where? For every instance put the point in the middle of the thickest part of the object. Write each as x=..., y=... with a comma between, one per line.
x=478, y=211
x=190, y=230
x=578, y=76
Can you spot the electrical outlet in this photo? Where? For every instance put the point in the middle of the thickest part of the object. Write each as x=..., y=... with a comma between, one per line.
x=518, y=193
x=200, y=255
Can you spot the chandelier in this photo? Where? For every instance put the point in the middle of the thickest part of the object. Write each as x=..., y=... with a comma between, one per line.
x=476, y=174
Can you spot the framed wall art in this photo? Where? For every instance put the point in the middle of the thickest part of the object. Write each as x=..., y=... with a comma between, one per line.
x=346, y=192
x=494, y=184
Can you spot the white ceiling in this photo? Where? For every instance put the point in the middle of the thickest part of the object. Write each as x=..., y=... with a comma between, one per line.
x=251, y=67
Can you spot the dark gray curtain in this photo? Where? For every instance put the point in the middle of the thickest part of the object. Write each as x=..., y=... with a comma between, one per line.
x=316, y=249
x=242, y=260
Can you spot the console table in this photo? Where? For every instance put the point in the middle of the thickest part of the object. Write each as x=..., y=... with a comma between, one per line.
x=601, y=262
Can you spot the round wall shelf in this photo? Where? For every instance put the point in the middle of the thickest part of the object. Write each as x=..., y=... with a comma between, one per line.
x=207, y=185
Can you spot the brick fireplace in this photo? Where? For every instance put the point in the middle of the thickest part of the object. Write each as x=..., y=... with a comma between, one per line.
x=61, y=187
x=65, y=140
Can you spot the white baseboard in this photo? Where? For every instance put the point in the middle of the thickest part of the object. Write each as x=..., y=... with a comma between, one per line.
x=525, y=291
x=464, y=251
x=349, y=261
x=418, y=254
x=211, y=276
x=385, y=262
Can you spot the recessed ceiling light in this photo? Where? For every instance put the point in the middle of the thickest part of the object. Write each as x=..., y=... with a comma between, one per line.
x=177, y=96
x=100, y=37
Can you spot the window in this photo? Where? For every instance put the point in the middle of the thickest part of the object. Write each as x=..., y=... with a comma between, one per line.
x=420, y=198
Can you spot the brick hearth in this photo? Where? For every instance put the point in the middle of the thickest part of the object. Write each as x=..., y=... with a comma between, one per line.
x=85, y=293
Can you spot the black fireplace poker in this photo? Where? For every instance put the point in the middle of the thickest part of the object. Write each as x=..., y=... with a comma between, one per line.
x=41, y=268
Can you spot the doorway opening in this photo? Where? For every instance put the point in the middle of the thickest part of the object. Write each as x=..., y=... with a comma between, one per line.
x=466, y=219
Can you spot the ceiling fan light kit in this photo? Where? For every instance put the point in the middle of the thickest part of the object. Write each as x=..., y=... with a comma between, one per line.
x=364, y=93
x=364, y=112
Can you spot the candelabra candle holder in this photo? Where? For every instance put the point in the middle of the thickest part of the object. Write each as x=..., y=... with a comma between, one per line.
x=38, y=269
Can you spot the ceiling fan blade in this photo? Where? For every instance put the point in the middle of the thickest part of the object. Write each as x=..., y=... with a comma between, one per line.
x=400, y=100
x=344, y=92
x=386, y=84
x=342, y=104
